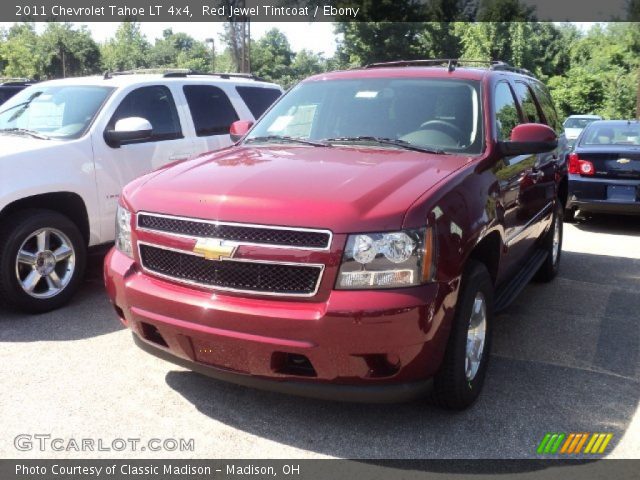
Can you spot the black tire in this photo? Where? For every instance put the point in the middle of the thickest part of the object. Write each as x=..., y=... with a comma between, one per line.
x=18, y=228
x=569, y=215
x=549, y=269
x=452, y=389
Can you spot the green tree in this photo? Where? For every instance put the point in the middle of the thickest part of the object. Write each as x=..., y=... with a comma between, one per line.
x=271, y=57
x=68, y=52
x=128, y=50
x=179, y=50
x=603, y=73
x=396, y=37
x=307, y=63
x=20, y=53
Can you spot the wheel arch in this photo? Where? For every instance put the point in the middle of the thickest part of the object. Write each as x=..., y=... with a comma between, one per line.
x=487, y=251
x=563, y=191
x=68, y=204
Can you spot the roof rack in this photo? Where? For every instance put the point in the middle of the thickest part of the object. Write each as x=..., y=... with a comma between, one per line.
x=14, y=80
x=451, y=64
x=509, y=68
x=224, y=75
x=179, y=73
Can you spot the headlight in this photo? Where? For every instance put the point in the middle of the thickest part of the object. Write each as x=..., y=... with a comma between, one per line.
x=123, y=231
x=387, y=260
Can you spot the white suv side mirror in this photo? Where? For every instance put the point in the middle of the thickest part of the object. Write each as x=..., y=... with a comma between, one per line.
x=128, y=130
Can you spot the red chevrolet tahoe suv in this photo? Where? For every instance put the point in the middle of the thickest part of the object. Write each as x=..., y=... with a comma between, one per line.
x=357, y=241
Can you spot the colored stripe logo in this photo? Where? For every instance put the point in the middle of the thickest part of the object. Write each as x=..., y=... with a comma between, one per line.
x=574, y=443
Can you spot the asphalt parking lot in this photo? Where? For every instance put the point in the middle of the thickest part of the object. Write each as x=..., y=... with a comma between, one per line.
x=566, y=359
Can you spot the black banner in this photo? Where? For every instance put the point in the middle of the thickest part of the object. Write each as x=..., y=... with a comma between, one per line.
x=318, y=11
x=316, y=469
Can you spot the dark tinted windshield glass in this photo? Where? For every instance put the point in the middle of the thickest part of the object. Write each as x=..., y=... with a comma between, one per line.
x=436, y=113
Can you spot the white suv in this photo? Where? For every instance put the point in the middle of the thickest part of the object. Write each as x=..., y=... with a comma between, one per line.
x=68, y=148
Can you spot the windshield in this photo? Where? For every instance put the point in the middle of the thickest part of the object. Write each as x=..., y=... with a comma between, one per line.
x=612, y=134
x=54, y=111
x=435, y=114
x=578, y=122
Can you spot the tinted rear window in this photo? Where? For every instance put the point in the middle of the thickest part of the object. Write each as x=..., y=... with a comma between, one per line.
x=612, y=134
x=258, y=99
x=211, y=109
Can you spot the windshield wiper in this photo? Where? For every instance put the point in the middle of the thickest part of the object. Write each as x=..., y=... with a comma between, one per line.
x=281, y=138
x=22, y=104
x=396, y=142
x=25, y=131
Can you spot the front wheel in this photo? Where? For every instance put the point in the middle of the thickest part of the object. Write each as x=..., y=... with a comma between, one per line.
x=42, y=260
x=461, y=376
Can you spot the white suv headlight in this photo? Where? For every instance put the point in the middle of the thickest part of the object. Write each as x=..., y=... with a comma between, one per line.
x=123, y=231
x=387, y=260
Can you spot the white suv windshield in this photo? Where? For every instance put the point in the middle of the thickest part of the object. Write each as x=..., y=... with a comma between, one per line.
x=53, y=111
x=429, y=113
x=578, y=122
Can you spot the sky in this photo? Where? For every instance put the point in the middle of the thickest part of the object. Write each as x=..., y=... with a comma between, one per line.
x=317, y=36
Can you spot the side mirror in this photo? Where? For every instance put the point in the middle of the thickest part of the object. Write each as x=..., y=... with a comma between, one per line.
x=530, y=138
x=128, y=130
x=239, y=129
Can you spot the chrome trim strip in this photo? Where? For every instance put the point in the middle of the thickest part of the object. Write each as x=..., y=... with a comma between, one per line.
x=232, y=224
x=535, y=219
x=241, y=260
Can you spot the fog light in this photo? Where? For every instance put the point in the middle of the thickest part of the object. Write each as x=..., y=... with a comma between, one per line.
x=381, y=279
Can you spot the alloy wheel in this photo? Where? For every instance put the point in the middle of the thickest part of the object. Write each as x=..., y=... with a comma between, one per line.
x=45, y=263
x=476, y=336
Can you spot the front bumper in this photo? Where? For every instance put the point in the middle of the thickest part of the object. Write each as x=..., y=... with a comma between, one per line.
x=359, y=345
x=591, y=195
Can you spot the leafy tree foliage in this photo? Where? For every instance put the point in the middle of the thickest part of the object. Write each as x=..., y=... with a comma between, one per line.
x=67, y=52
x=273, y=59
x=179, y=50
x=128, y=50
x=20, y=55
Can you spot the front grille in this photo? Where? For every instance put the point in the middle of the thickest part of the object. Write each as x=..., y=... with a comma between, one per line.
x=237, y=233
x=265, y=278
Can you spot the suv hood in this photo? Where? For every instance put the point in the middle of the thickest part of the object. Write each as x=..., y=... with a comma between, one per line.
x=14, y=144
x=345, y=189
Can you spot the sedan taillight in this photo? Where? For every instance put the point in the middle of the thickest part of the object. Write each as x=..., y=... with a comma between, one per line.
x=580, y=167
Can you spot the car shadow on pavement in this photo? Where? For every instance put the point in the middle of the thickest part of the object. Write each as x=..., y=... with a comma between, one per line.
x=610, y=224
x=87, y=315
x=565, y=359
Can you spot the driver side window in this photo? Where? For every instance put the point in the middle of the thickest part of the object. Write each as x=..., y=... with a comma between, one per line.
x=507, y=116
x=155, y=104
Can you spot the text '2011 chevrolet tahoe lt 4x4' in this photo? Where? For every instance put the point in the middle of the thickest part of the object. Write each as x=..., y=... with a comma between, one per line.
x=356, y=242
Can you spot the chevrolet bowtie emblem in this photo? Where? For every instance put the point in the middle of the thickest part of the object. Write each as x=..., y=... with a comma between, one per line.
x=623, y=160
x=214, y=249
